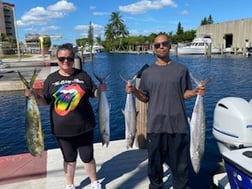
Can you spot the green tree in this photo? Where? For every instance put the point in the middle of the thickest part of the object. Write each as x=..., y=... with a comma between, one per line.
x=206, y=21
x=180, y=30
x=116, y=29
x=210, y=19
x=109, y=37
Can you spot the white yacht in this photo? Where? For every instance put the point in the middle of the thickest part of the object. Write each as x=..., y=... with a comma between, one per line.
x=199, y=46
x=95, y=49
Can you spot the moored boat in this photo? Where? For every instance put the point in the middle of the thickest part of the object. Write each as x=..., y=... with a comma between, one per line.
x=88, y=50
x=199, y=46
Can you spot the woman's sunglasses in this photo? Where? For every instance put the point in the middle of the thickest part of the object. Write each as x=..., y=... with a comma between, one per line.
x=164, y=44
x=69, y=59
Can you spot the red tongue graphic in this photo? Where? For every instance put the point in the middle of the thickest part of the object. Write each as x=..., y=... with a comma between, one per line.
x=67, y=98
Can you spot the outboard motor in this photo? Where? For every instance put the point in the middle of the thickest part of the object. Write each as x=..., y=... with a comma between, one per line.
x=232, y=124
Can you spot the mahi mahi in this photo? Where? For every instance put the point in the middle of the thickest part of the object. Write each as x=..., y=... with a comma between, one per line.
x=197, y=128
x=104, y=113
x=33, y=128
x=130, y=115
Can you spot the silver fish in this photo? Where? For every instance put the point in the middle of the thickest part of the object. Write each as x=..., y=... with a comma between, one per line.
x=33, y=127
x=197, y=128
x=130, y=116
x=104, y=113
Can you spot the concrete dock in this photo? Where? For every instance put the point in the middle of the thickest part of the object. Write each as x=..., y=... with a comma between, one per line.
x=117, y=167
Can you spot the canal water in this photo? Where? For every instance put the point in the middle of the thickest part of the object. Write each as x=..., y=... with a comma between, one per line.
x=231, y=76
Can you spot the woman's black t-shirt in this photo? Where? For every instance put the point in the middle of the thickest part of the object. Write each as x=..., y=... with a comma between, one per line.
x=71, y=113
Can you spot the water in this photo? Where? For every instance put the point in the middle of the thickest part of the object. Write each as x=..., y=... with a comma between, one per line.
x=231, y=76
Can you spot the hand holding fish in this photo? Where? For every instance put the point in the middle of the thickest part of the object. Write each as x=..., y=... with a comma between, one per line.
x=28, y=92
x=199, y=90
x=129, y=88
x=39, y=98
x=102, y=87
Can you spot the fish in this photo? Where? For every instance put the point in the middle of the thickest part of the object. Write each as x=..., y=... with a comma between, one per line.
x=130, y=115
x=197, y=128
x=33, y=128
x=104, y=113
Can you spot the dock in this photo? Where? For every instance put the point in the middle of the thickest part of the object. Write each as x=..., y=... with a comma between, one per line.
x=117, y=168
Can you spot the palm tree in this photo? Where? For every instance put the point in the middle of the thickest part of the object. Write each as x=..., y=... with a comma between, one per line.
x=109, y=37
x=116, y=27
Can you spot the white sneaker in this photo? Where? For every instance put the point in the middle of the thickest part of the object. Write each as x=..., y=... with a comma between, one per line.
x=96, y=185
x=70, y=187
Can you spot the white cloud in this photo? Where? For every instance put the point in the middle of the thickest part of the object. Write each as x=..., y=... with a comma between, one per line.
x=101, y=13
x=144, y=6
x=41, y=15
x=47, y=29
x=92, y=7
x=62, y=6
x=184, y=12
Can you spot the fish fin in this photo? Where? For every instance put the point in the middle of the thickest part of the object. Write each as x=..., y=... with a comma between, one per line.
x=123, y=112
x=198, y=82
x=101, y=79
x=206, y=81
x=129, y=81
x=33, y=78
x=28, y=85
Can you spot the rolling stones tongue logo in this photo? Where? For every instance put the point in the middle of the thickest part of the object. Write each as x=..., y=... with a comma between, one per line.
x=67, y=98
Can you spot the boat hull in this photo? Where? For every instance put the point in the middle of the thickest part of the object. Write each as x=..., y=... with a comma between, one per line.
x=195, y=51
x=238, y=165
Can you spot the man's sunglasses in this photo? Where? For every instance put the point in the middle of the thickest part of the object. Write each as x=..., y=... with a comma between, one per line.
x=164, y=44
x=69, y=59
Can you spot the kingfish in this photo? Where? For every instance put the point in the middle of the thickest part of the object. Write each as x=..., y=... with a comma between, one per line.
x=33, y=128
x=130, y=115
x=197, y=128
x=104, y=113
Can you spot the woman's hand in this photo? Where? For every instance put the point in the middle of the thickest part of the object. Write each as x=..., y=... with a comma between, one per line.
x=28, y=92
x=102, y=87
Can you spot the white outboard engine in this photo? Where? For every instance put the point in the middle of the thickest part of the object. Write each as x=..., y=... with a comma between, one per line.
x=232, y=125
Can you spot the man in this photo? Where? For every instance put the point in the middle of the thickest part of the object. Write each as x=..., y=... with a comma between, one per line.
x=165, y=85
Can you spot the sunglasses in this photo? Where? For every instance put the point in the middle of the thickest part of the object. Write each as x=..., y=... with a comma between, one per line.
x=69, y=59
x=164, y=44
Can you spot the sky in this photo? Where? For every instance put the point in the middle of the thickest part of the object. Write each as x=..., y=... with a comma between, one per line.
x=70, y=19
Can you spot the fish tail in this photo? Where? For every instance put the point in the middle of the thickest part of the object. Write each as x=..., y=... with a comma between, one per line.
x=129, y=81
x=26, y=83
x=198, y=82
x=101, y=79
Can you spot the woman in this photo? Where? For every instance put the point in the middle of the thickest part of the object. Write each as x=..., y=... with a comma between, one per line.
x=72, y=118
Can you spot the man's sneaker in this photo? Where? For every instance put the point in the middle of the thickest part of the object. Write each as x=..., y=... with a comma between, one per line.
x=96, y=185
x=70, y=187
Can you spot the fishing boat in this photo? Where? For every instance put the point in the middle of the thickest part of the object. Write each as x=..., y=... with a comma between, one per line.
x=232, y=128
x=199, y=46
x=96, y=48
